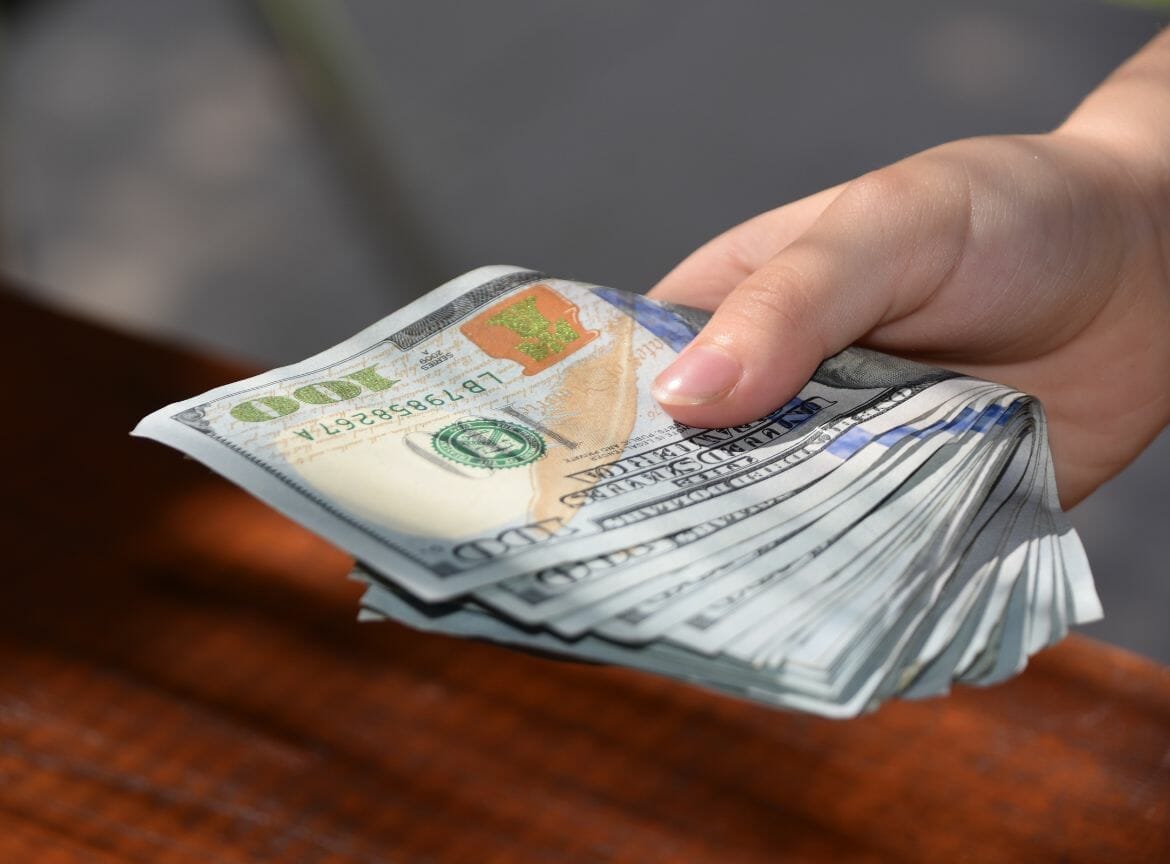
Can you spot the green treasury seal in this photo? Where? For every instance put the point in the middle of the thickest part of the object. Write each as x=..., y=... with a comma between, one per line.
x=484, y=443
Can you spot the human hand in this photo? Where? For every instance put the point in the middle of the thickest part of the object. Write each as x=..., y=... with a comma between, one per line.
x=1042, y=262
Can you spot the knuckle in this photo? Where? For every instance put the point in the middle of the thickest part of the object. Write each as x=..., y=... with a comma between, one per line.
x=910, y=191
x=777, y=298
x=770, y=293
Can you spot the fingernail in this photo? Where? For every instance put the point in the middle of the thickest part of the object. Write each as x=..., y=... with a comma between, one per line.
x=699, y=375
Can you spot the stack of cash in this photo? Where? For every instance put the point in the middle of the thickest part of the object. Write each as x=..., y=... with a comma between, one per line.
x=492, y=457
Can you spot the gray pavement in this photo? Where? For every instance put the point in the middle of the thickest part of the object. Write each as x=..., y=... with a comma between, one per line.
x=161, y=169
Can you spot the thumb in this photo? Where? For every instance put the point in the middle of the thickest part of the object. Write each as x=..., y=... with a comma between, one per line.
x=876, y=254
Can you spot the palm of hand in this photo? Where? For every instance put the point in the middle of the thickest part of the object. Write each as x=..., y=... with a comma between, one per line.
x=1038, y=262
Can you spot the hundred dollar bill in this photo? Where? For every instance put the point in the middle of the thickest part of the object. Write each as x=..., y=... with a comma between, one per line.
x=504, y=421
x=491, y=453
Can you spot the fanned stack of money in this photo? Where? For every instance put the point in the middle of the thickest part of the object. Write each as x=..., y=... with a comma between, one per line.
x=492, y=456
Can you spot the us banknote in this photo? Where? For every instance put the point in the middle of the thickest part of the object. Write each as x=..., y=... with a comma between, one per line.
x=494, y=445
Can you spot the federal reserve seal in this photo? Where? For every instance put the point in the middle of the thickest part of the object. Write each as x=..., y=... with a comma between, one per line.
x=484, y=443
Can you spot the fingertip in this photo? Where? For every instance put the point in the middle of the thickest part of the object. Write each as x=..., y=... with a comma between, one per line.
x=701, y=375
x=709, y=386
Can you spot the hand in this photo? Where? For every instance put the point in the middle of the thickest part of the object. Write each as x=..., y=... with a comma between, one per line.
x=1042, y=262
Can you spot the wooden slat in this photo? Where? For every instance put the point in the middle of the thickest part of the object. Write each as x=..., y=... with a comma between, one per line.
x=182, y=680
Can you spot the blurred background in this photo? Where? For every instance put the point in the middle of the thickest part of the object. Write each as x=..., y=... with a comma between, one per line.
x=260, y=178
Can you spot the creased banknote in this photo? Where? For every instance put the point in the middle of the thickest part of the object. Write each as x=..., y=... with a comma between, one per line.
x=494, y=444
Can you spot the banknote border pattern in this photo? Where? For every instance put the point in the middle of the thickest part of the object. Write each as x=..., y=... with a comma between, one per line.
x=459, y=308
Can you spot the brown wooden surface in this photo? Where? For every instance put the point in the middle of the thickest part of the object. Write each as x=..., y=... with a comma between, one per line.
x=182, y=680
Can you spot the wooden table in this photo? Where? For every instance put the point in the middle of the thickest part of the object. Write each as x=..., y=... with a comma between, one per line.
x=182, y=680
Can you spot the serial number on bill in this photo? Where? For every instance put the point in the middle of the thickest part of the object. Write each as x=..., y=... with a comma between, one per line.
x=399, y=410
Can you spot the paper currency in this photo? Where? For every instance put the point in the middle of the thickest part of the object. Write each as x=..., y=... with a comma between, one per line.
x=492, y=456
